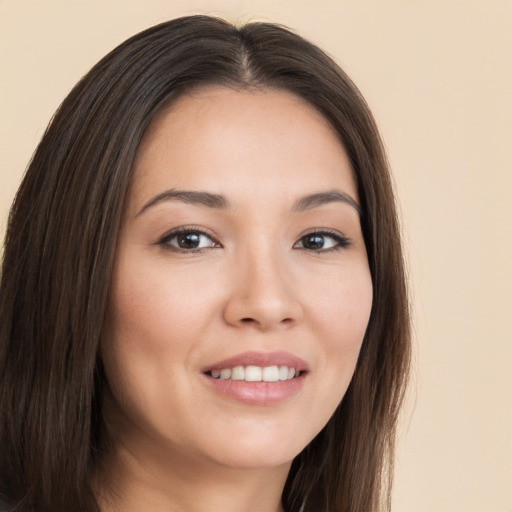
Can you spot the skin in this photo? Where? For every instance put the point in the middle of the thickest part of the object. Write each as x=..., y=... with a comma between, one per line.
x=253, y=285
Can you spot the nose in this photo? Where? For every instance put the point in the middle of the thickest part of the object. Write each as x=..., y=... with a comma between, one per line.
x=263, y=295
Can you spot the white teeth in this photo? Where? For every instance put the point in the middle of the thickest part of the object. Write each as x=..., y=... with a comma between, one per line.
x=255, y=373
x=225, y=373
x=270, y=374
x=283, y=373
x=238, y=373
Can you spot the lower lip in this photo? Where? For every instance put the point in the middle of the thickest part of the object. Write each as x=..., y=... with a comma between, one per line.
x=258, y=393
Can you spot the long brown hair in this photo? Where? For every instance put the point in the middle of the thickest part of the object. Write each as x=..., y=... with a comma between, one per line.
x=60, y=248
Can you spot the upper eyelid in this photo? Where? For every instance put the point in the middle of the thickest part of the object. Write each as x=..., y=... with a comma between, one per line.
x=322, y=230
x=325, y=231
x=343, y=241
x=165, y=239
x=188, y=229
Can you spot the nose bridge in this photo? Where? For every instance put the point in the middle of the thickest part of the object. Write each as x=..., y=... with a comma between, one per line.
x=262, y=293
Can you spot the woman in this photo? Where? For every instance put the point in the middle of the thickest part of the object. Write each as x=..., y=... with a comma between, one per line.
x=203, y=302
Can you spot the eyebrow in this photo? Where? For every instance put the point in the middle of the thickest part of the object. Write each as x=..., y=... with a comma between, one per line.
x=321, y=198
x=199, y=198
x=187, y=196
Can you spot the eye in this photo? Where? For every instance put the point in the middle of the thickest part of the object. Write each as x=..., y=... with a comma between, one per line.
x=322, y=241
x=188, y=240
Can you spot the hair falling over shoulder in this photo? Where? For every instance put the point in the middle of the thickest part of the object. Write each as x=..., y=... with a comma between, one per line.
x=59, y=254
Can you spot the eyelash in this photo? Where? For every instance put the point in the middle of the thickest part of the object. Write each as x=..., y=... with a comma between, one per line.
x=342, y=242
x=185, y=230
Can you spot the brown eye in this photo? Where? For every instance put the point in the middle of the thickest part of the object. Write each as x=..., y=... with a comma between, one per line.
x=322, y=241
x=313, y=241
x=187, y=240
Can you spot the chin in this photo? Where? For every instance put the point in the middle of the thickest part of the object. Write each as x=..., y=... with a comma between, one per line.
x=256, y=459
x=258, y=448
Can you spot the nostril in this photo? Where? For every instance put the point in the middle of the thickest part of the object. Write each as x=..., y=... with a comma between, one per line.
x=252, y=321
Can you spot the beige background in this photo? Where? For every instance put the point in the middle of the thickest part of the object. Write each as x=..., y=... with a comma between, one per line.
x=438, y=76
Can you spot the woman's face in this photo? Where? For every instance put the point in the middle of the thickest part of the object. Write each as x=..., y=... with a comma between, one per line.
x=240, y=258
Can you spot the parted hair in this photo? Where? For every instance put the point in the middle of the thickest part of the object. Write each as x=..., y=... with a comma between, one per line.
x=60, y=248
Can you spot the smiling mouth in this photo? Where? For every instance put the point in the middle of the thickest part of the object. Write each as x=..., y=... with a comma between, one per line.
x=258, y=378
x=252, y=373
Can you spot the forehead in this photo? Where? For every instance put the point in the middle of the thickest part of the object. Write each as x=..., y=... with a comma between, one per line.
x=223, y=139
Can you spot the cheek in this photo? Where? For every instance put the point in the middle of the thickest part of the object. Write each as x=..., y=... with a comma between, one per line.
x=341, y=306
x=157, y=318
x=145, y=327
x=157, y=308
x=341, y=314
x=153, y=330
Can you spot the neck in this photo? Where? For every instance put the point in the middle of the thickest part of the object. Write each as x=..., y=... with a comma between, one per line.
x=138, y=478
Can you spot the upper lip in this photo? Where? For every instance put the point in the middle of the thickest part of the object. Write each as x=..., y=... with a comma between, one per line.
x=263, y=359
